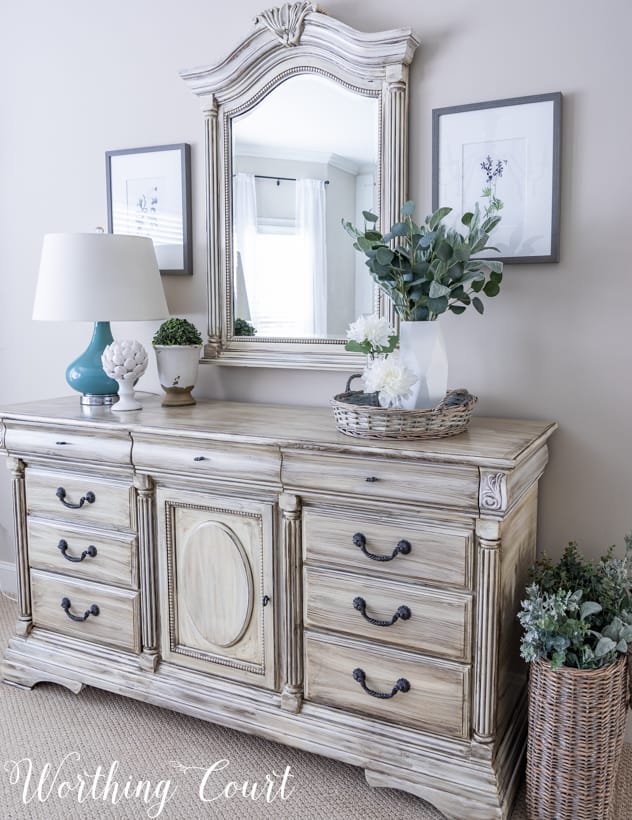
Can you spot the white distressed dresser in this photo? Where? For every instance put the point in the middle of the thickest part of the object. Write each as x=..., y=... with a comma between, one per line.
x=251, y=566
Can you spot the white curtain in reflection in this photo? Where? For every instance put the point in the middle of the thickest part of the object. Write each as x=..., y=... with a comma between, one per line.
x=311, y=229
x=245, y=226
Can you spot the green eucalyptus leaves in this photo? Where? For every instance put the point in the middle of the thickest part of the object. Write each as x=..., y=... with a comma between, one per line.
x=428, y=269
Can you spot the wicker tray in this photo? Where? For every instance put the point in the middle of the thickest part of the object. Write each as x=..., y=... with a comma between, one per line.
x=359, y=414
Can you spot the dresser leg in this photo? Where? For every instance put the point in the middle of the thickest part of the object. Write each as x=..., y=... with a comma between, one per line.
x=24, y=678
x=453, y=806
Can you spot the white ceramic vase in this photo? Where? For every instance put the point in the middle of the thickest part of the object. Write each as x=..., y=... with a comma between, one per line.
x=422, y=349
x=177, y=372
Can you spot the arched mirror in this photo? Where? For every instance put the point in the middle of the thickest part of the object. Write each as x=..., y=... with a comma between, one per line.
x=306, y=125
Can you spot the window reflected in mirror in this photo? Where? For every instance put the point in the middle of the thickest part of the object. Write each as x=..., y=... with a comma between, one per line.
x=304, y=158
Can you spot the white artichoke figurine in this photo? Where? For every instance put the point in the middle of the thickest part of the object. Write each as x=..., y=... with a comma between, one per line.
x=125, y=361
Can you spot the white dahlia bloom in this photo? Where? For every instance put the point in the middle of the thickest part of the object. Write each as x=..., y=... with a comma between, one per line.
x=374, y=329
x=390, y=378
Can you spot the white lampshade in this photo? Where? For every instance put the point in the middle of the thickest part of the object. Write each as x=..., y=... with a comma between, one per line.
x=98, y=277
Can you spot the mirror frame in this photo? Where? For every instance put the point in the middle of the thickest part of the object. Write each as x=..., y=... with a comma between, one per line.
x=289, y=40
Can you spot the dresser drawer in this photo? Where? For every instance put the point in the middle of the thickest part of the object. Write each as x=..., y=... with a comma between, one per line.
x=444, y=485
x=437, y=696
x=437, y=623
x=116, y=621
x=207, y=459
x=94, y=555
x=348, y=538
x=94, y=447
x=83, y=499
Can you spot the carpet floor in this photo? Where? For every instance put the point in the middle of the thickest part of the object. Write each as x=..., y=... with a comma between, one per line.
x=87, y=738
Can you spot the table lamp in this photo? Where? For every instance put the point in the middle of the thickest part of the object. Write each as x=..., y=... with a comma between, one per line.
x=97, y=277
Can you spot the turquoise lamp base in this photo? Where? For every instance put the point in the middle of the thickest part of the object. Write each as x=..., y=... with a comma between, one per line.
x=86, y=374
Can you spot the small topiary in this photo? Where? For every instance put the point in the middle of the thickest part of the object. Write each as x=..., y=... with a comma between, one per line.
x=177, y=332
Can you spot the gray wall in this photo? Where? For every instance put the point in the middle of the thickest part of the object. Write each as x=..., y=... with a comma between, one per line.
x=77, y=81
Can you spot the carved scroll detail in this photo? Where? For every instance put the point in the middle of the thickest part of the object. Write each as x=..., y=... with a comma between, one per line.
x=493, y=492
x=286, y=21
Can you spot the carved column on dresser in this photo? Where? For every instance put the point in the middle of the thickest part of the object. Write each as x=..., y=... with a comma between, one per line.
x=292, y=694
x=147, y=556
x=487, y=629
x=25, y=621
x=213, y=347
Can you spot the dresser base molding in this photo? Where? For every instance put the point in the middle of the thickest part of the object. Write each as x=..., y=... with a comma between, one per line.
x=449, y=774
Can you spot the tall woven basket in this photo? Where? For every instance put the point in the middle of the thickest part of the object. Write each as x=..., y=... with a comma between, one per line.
x=577, y=723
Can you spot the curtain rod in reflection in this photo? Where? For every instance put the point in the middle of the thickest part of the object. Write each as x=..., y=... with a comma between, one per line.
x=282, y=179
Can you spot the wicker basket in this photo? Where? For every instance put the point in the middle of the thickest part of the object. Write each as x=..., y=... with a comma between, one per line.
x=577, y=723
x=359, y=414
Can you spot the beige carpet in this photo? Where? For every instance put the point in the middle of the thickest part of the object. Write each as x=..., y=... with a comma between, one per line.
x=96, y=729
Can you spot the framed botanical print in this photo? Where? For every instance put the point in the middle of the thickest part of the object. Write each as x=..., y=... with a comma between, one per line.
x=149, y=194
x=505, y=156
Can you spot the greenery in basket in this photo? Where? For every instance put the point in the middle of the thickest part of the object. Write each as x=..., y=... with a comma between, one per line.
x=177, y=332
x=428, y=269
x=578, y=613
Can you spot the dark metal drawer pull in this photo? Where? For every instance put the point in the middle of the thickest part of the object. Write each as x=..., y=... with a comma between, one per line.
x=65, y=605
x=63, y=546
x=401, y=685
x=62, y=443
x=402, y=612
x=372, y=478
x=402, y=547
x=90, y=497
x=199, y=458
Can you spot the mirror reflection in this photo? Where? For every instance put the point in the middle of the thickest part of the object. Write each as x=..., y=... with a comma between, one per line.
x=304, y=157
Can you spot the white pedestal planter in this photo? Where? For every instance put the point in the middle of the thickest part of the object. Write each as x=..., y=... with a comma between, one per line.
x=422, y=349
x=177, y=372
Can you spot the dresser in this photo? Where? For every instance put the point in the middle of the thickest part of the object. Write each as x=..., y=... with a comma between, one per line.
x=249, y=565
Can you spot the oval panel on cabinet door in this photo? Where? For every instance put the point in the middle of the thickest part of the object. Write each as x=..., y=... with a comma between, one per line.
x=216, y=583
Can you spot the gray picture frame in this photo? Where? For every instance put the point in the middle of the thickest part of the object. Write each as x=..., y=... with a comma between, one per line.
x=165, y=170
x=522, y=125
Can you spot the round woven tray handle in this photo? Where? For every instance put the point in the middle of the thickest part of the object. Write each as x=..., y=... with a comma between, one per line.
x=350, y=379
x=463, y=394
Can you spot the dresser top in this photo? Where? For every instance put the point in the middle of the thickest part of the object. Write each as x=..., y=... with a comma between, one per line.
x=487, y=441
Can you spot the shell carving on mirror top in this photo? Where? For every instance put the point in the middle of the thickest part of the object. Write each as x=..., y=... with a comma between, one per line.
x=286, y=21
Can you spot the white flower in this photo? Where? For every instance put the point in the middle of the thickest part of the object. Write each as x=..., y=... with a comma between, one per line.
x=389, y=377
x=374, y=329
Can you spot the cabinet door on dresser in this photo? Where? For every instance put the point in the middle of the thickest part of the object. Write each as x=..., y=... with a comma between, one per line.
x=216, y=585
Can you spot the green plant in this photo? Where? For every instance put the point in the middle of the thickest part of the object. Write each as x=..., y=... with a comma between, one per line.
x=176, y=331
x=428, y=269
x=578, y=613
x=243, y=328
